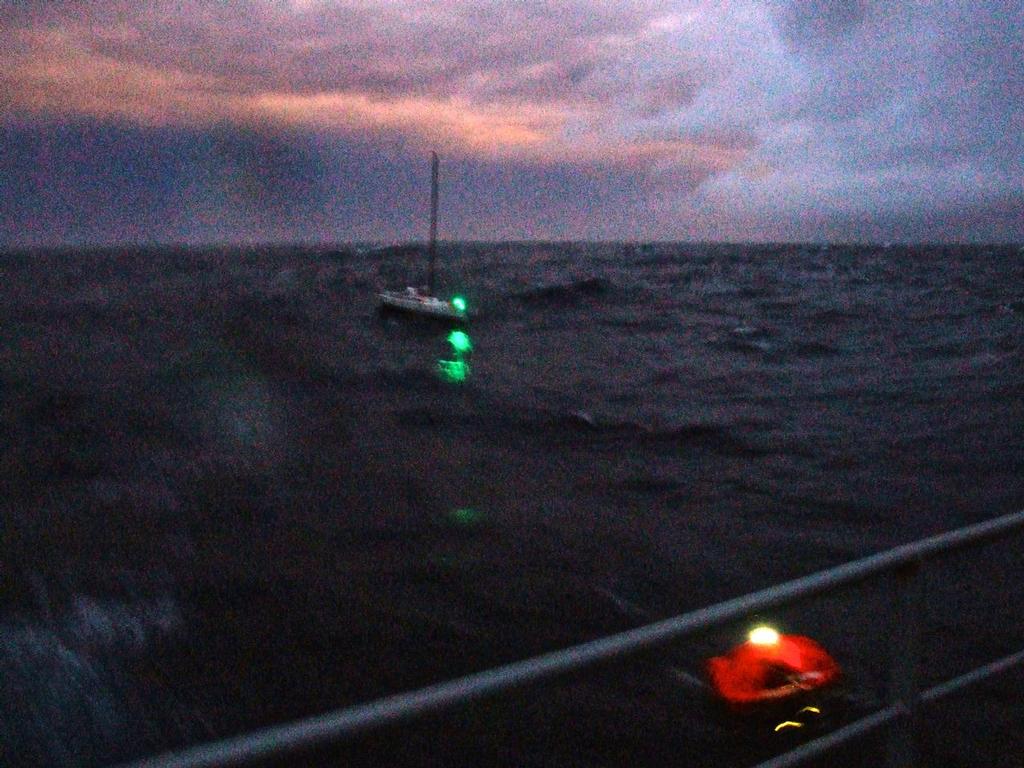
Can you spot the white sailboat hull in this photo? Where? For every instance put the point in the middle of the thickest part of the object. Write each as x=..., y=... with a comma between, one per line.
x=417, y=303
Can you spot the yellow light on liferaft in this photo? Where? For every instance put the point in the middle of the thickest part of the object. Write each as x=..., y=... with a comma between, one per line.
x=788, y=724
x=763, y=636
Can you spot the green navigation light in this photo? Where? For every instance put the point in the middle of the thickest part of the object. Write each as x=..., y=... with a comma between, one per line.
x=459, y=303
x=460, y=342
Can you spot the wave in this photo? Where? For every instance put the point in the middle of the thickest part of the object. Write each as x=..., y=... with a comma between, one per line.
x=414, y=378
x=833, y=314
x=814, y=349
x=647, y=323
x=411, y=378
x=566, y=294
x=649, y=485
x=782, y=307
x=763, y=342
x=754, y=346
x=69, y=698
x=580, y=426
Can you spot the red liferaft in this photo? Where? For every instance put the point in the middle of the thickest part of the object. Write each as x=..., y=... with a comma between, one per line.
x=754, y=673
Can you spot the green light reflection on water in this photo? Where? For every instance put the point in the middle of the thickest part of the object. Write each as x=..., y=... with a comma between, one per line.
x=460, y=342
x=453, y=371
x=456, y=371
x=465, y=516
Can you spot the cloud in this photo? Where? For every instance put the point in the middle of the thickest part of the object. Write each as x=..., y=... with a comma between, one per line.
x=816, y=23
x=803, y=109
x=530, y=78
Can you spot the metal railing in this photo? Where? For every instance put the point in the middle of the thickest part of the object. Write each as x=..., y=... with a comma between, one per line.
x=900, y=715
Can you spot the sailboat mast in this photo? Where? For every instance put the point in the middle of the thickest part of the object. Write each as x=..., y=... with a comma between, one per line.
x=433, y=222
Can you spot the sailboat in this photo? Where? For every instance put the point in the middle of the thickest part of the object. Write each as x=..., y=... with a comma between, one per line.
x=422, y=301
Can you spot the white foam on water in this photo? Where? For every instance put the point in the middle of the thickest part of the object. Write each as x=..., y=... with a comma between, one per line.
x=64, y=690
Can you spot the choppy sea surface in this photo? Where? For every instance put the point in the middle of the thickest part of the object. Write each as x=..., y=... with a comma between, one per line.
x=232, y=494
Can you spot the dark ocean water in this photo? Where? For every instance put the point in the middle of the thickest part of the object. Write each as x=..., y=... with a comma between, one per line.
x=233, y=495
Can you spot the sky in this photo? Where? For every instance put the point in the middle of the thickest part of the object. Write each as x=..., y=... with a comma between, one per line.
x=249, y=121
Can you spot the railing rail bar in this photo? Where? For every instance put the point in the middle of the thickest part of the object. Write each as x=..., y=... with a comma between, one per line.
x=331, y=726
x=975, y=676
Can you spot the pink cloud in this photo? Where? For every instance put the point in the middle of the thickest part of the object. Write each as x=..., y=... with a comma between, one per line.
x=482, y=78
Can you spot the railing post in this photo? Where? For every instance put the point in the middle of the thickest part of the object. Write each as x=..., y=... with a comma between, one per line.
x=904, y=684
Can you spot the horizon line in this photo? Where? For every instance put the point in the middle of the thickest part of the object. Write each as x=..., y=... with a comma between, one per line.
x=385, y=244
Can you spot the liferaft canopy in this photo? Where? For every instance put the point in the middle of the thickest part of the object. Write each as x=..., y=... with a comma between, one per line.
x=771, y=667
